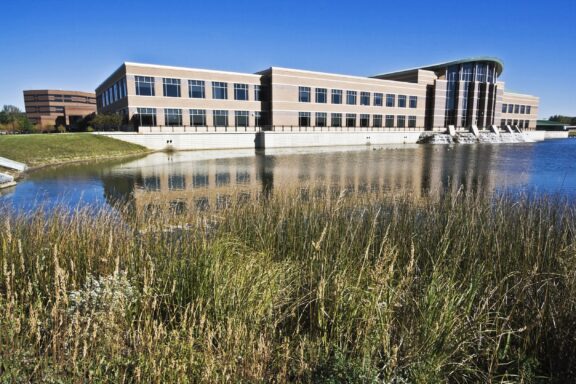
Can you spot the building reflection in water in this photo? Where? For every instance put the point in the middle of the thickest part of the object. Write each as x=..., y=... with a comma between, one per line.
x=202, y=179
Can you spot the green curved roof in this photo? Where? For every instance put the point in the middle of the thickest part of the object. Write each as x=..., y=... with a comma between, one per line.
x=433, y=67
x=495, y=60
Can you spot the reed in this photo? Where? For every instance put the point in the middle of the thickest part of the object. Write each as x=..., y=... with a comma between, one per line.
x=317, y=287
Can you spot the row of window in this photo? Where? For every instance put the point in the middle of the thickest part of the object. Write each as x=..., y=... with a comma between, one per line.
x=196, y=89
x=173, y=117
x=60, y=99
x=519, y=123
x=350, y=120
x=516, y=108
x=178, y=182
x=366, y=98
x=114, y=93
x=45, y=109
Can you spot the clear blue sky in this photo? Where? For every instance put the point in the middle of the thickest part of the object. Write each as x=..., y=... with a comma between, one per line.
x=76, y=44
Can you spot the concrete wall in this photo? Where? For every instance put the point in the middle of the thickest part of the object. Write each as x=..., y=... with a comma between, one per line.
x=312, y=139
x=555, y=134
x=218, y=140
x=536, y=135
x=186, y=141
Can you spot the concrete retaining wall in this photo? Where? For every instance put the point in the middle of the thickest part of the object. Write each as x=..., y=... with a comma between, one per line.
x=535, y=135
x=186, y=141
x=217, y=140
x=555, y=134
x=269, y=139
x=318, y=139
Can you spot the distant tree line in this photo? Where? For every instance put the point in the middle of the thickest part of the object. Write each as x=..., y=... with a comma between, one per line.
x=13, y=120
x=563, y=119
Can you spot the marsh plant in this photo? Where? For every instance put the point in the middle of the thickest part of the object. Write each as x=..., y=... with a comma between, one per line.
x=294, y=287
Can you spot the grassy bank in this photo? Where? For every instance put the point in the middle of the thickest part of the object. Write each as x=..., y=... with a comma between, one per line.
x=323, y=289
x=39, y=150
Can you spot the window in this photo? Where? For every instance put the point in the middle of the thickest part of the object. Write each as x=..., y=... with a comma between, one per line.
x=321, y=119
x=257, y=93
x=377, y=121
x=152, y=183
x=378, y=99
x=390, y=100
x=198, y=117
x=504, y=108
x=242, y=177
x=510, y=108
x=321, y=95
x=220, y=118
x=220, y=90
x=257, y=119
x=199, y=180
x=522, y=109
x=123, y=90
x=172, y=117
x=350, y=119
x=516, y=108
x=304, y=118
x=196, y=89
x=304, y=94
x=336, y=120
x=364, y=98
x=401, y=121
x=222, y=178
x=413, y=102
x=364, y=120
x=401, y=101
x=528, y=109
x=411, y=121
x=144, y=86
x=351, y=97
x=240, y=91
x=241, y=118
x=176, y=182
x=389, y=121
x=172, y=87
x=336, y=96
x=526, y=123
x=503, y=123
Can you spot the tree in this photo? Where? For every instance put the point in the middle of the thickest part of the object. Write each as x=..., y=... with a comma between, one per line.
x=562, y=119
x=25, y=125
x=12, y=118
x=11, y=109
x=107, y=122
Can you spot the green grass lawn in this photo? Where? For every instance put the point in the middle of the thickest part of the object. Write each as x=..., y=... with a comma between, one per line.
x=46, y=149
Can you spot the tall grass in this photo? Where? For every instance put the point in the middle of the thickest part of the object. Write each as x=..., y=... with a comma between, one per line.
x=328, y=288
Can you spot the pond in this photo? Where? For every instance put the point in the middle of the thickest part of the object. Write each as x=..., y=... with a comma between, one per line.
x=212, y=177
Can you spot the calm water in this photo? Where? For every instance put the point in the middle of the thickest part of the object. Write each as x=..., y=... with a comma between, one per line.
x=212, y=177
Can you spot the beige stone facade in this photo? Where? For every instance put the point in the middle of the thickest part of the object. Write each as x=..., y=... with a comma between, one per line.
x=50, y=108
x=461, y=93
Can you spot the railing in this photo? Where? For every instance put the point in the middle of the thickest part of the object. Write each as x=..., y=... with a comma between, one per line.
x=292, y=128
x=297, y=128
x=195, y=129
x=272, y=128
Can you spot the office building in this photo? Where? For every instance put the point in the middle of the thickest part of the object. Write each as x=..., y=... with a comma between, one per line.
x=51, y=108
x=460, y=93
